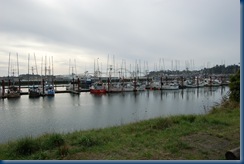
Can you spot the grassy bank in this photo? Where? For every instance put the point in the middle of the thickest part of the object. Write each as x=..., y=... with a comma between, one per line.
x=200, y=137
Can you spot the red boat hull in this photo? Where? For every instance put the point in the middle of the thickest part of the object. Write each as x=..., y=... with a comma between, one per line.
x=97, y=90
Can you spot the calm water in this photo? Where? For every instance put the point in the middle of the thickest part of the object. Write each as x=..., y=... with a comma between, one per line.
x=66, y=112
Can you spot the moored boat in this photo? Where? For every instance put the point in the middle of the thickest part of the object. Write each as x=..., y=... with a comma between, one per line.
x=127, y=87
x=49, y=90
x=113, y=87
x=170, y=86
x=34, y=91
x=98, y=87
x=13, y=92
x=212, y=83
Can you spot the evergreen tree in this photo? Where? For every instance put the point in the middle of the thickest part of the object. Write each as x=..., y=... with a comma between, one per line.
x=235, y=87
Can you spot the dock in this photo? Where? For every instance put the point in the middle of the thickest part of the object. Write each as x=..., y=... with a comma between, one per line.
x=63, y=91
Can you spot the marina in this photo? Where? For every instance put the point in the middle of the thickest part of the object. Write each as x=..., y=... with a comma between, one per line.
x=66, y=112
x=34, y=104
x=105, y=85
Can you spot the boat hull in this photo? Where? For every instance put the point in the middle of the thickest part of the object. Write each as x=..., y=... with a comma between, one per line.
x=97, y=91
x=13, y=95
x=33, y=94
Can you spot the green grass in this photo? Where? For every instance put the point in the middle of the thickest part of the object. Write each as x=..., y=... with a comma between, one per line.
x=201, y=137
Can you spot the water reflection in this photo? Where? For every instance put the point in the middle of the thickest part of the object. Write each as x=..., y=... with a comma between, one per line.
x=68, y=112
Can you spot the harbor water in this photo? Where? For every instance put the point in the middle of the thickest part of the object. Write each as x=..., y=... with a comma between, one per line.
x=66, y=112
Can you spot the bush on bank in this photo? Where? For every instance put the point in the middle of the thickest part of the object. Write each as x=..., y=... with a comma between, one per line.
x=235, y=87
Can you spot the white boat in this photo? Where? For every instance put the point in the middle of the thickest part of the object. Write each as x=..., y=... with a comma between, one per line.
x=113, y=87
x=154, y=85
x=140, y=87
x=212, y=83
x=49, y=90
x=189, y=84
x=128, y=87
x=195, y=83
x=170, y=86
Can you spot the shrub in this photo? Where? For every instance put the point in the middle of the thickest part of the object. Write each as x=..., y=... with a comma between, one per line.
x=25, y=146
x=88, y=141
x=54, y=140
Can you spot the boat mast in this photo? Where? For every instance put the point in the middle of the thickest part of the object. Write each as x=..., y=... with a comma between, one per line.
x=8, y=64
x=41, y=65
x=52, y=67
x=52, y=71
x=35, y=63
x=107, y=65
x=94, y=67
x=75, y=67
x=18, y=64
x=28, y=70
x=45, y=66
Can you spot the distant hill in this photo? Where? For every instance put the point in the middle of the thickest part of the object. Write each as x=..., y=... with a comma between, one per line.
x=216, y=70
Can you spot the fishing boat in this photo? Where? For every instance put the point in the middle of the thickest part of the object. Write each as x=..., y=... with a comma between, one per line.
x=47, y=85
x=34, y=91
x=190, y=84
x=114, y=87
x=140, y=87
x=13, y=92
x=211, y=83
x=170, y=86
x=154, y=85
x=128, y=87
x=98, y=87
x=49, y=89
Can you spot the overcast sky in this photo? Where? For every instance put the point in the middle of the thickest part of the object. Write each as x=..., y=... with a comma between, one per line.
x=155, y=34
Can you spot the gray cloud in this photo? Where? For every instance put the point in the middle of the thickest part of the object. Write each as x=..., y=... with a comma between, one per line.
x=147, y=30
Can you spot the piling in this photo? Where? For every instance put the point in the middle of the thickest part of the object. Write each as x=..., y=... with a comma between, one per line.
x=182, y=82
x=161, y=82
x=210, y=81
x=135, y=84
x=197, y=82
x=108, y=84
x=43, y=93
x=19, y=85
x=3, y=88
x=122, y=84
x=73, y=81
x=78, y=81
